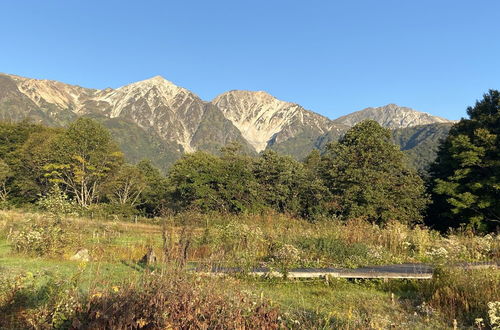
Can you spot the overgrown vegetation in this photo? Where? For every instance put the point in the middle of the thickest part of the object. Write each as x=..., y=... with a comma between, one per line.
x=84, y=163
x=48, y=291
x=363, y=175
x=140, y=234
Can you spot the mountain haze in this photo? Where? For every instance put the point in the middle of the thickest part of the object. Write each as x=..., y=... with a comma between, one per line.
x=159, y=120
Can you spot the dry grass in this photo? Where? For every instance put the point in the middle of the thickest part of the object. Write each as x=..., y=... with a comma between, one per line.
x=170, y=300
x=271, y=239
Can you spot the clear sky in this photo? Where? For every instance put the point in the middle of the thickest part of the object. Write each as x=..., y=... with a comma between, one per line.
x=332, y=57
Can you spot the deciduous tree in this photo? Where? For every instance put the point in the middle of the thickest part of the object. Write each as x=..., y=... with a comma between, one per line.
x=5, y=175
x=370, y=178
x=84, y=156
x=126, y=185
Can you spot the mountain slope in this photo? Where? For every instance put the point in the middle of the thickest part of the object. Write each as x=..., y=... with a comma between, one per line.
x=421, y=143
x=15, y=105
x=264, y=120
x=157, y=120
x=391, y=116
x=137, y=144
x=163, y=111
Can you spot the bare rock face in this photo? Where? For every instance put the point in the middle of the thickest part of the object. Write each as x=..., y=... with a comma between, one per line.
x=81, y=255
x=262, y=118
x=391, y=116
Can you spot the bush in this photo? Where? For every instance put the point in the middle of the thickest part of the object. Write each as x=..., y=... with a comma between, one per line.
x=284, y=256
x=171, y=301
x=235, y=241
x=43, y=237
x=174, y=301
x=453, y=293
x=37, y=301
x=57, y=203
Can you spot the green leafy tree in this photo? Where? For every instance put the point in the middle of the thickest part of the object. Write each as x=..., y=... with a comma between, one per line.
x=287, y=186
x=84, y=156
x=238, y=188
x=466, y=175
x=313, y=161
x=211, y=183
x=154, y=197
x=315, y=195
x=30, y=159
x=370, y=178
x=194, y=182
x=20, y=145
x=13, y=135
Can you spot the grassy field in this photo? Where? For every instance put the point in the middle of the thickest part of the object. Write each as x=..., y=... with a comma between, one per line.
x=42, y=288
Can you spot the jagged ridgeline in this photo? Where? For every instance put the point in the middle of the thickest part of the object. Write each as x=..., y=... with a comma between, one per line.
x=157, y=120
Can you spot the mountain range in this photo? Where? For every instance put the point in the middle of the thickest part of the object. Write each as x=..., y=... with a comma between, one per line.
x=158, y=120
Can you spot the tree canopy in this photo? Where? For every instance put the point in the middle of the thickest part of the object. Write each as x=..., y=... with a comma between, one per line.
x=83, y=158
x=370, y=177
x=466, y=174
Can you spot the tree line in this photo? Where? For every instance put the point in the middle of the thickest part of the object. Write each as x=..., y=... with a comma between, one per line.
x=363, y=175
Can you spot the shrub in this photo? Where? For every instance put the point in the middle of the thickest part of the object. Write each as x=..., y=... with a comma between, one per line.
x=494, y=314
x=170, y=301
x=37, y=301
x=174, y=301
x=57, y=203
x=235, y=241
x=43, y=237
x=284, y=256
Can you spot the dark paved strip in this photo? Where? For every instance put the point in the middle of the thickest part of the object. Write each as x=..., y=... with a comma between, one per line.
x=399, y=271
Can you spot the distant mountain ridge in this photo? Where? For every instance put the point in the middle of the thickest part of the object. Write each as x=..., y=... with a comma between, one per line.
x=165, y=119
x=391, y=116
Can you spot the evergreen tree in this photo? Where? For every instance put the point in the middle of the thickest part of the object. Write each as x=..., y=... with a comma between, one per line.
x=370, y=177
x=466, y=175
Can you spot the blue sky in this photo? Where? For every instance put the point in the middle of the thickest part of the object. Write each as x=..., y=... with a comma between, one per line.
x=333, y=57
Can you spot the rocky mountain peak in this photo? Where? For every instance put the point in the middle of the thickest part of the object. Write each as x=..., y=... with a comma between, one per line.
x=249, y=99
x=391, y=116
x=167, y=88
x=258, y=115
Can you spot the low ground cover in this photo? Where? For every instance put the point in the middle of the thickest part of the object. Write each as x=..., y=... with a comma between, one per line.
x=42, y=288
